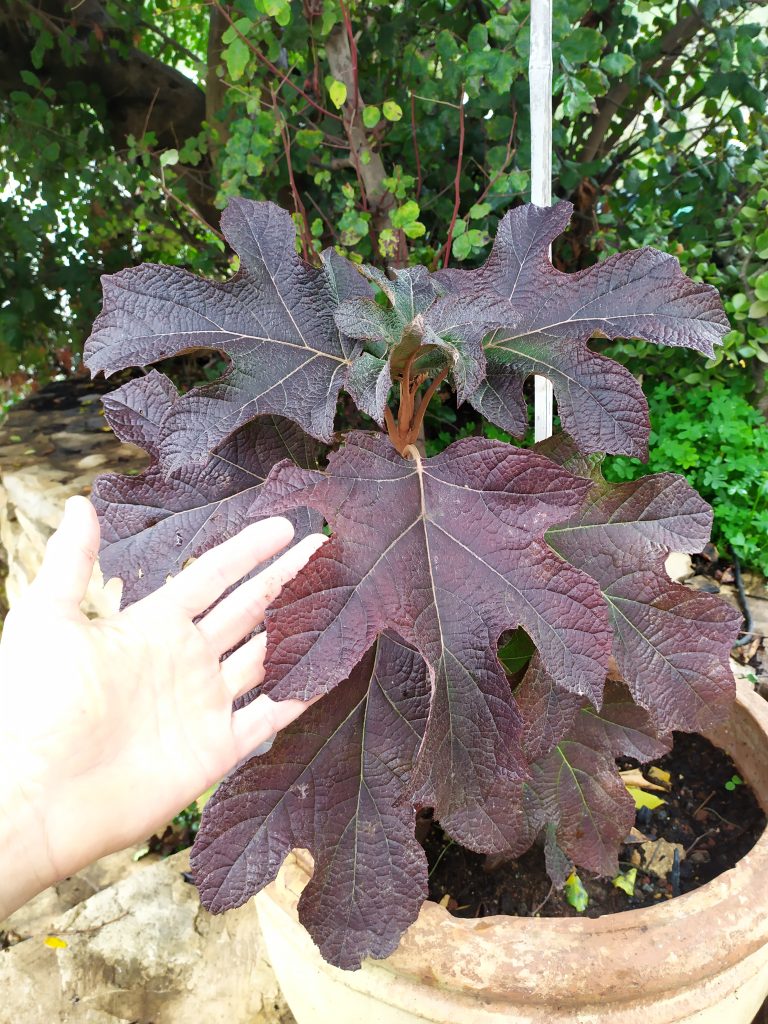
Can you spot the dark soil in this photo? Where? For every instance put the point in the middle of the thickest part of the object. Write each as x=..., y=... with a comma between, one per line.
x=716, y=827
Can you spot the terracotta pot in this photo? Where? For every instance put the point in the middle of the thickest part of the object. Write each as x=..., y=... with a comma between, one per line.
x=701, y=958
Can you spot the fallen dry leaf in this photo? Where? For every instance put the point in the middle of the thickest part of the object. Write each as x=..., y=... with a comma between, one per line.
x=634, y=777
x=659, y=856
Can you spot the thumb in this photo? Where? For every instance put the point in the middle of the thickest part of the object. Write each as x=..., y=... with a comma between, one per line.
x=70, y=555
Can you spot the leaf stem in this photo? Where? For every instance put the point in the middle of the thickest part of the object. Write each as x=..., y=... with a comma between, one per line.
x=404, y=432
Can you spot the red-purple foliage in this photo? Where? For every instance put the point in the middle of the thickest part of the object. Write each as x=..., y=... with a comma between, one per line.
x=397, y=620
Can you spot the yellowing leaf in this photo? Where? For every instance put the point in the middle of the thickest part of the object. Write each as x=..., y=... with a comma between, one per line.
x=391, y=110
x=626, y=881
x=575, y=892
x=338, y=93
x=643, y=799
x=54, y=942
x=660, y=776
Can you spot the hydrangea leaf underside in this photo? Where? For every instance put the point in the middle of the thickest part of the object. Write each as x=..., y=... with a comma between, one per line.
x=447, y=552
x=151, y=525
x=671, y=643
x=333, y=783
x=418, y=317
x=273, y=320
x=552, y=315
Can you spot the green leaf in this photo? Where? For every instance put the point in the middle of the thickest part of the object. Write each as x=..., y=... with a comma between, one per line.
x=480, y=210
x=392, y=111
x=169, y=158
x=516, y=652
x=405, y=214
x=477, y=38
x=338, y=93
x=236, y=57
x=617, y=64
x=462, y=247
x=575, y=892
x=309, y=138
x=280, y=10
x=626, y=881
x=371, y=116
x=415, y=229
x=43, y=43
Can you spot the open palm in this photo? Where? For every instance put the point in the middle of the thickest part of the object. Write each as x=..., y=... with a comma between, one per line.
x=109, y=726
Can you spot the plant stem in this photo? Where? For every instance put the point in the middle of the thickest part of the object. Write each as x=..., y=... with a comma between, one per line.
x=404, y=432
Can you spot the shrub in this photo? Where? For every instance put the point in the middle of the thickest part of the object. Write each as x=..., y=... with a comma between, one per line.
x=719, y=442
x=397, y=620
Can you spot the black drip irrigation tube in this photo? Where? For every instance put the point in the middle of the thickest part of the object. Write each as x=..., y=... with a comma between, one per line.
x=743, y=603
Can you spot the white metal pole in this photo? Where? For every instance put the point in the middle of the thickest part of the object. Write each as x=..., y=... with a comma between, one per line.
x=540, y=86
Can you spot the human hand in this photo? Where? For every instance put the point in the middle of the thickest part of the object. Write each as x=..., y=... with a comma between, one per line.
x=108, y=727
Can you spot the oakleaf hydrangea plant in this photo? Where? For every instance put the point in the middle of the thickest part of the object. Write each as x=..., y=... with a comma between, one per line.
x=397, y=620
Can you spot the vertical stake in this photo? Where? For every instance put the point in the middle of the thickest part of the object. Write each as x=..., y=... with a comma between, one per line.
x=540, y=85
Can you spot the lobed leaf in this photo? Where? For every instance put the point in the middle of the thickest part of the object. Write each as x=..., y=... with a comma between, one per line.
x=672, y=644
x=334, y=782
x=448, y=553
x=151, y=525
x=550, y=316
x=273, y=320
x=581, y=796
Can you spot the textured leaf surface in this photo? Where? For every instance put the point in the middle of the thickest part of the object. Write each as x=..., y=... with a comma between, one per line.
x=447, y=552
x=333, y=783
x=273, y=320
x=672, y=644
x=580, y=792
x=551, y=316
x=418, y=320
x=151, y=525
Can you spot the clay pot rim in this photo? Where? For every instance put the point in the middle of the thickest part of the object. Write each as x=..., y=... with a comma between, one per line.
x=674, y=929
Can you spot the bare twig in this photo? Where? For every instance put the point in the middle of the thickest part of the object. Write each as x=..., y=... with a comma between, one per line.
x=190, y=209
x=415, y=145
x=457, y=181
x=297, y=203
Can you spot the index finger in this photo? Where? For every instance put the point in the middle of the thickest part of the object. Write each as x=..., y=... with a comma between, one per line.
x=197, y=587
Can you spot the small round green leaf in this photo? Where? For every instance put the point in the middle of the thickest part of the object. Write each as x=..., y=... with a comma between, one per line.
x=371, y=116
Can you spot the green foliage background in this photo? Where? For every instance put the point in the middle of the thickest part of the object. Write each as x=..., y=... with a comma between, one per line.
x=399, y=133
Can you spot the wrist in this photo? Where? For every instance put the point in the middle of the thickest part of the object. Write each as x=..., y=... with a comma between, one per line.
x=25, y=865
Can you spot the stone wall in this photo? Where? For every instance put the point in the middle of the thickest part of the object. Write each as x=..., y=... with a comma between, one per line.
x=129, y=941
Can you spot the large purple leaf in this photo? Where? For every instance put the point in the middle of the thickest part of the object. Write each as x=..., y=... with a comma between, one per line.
x=333, y=783
x=448, y=553
x=672, y=644
x=273, y=320
x=550, y=316
x=151, y=525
